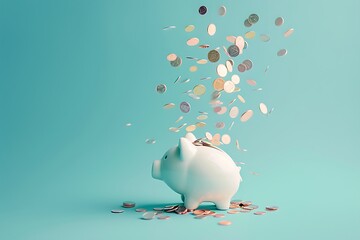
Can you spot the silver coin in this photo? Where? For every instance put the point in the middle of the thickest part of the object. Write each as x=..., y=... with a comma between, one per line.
x=246, y=45
x=222, y=11
x=264, y=37
x=185, y=80
x=242, y=67
x=150, y=141
x=282, y=52
x=213, y=56
x=149, y=215
x=177, y=79
x=161, y=88
x=247, y=23
x=117, y=211
x=176, y=63
x=253, y=18
x=169, y=27
x=233, y=50
x=248, y=63
x=185, y=107
x=279, y=21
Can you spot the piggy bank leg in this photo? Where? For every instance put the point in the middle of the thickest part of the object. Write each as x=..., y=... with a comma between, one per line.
x=191, y=203
x=223, y=205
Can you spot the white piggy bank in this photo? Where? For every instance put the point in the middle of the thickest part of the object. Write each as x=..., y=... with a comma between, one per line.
x=198, y=173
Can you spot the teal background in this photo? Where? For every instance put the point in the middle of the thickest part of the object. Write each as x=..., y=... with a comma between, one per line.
x=74, y=72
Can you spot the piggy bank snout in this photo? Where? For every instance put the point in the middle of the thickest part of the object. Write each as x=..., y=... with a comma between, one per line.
x=156, y=169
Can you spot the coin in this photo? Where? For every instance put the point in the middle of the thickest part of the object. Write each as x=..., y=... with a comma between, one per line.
x=282, y=52
x=241, y=98
x=161, y=88
x=129, y=204
x=148, y=141
x=163, y=217
x=211, y=29
x=213, y=56
x=185, y=80
x=190, y=128
x=185, y=107
x=224, y=223
x=226, y=139
x=279, y=21
x=235, y=79
x=248, y=63
x=140, y=210
x=271, y=208
x=221, y=70
x=192, y=41
x=251, y=82
x=250, y=34
x=229, y=66
x=240, y=42
x=246, y=44
x=246, y=115
x=202, y=10
x=233, y=211
x=208, y=136
x=289, y=32
x=171, y=57
x=264, y=38
x=200, y=124
x=169, y=27
x=148, y=215
x=233, y=50
x=231, y=125
x=247, y=23
x=202, y=117
x=253, y=18
x=218, y=84
x=231, y=39
x=177, y=62
x=202, y=61
x=242, y=67
x=222, y=11
x=259, y=213
x=234, y=111
x=216, y=94
x=220, y=125
x=169, y=105
x=229, y=86
x=263, y=108
x=189, y=28
x=117, y=211
x=177, y=79
x=216, y=139
x=182, y=125
x=174, y=129
x=193, y=96
x=226, y=51
x=193, y=69
x=128, y=125
x=199, y=90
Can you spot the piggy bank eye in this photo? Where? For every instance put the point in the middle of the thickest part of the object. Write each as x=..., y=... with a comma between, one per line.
x=165, y=156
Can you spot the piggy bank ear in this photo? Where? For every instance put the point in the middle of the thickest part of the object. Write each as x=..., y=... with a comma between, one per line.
x=186, y=149
x=191, y=137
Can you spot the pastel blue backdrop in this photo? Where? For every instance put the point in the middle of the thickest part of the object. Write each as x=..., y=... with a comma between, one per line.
x=74, y=72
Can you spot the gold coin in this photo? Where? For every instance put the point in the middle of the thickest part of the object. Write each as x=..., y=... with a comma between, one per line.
x=169, y=105
x=200, y=124
x=211, y=29
x=263, y=108
x=218, y=84
x=199, y=90
x=250, y=34
x=229, y=66
x=190, y=128
x=221, y=70
x=226, y=139
x=235, y=79
x=189, y=28
x=193, y=68
x=224, y=223
x=202, y=61
x=171, y=57
x=202, y=117
x=229, y=86
x=231, y=39
x=192, y=42
x=234, y=111
x=289, y=32
x=246, y=115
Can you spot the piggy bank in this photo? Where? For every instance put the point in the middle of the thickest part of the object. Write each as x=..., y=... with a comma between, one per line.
x=199, y=172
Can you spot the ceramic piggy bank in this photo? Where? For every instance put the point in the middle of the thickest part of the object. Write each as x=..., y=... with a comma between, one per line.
x=199, y=172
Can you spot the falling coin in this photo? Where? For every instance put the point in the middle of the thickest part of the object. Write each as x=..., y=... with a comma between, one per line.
x=213, y=56
x=202, y=10
x=148, y=141
x=231, y=39
x=289, y=32
x=229, y=86
x=208, y=136
x=185, y=80
x=190, y=128
x=200, y=124
x=263, y=108
x=240, y=42
x=128, y=125
x=192, y=42
x=189, y=28
x=117, y=211
x=221, y=70
x=226, y=139
x=148, y=215
x=185, y=107
x=242, y=67
x=224, y=223
x=233, y=51
x=250, y=34
x=234, y=111
x=201, y=61
x=246, y=115
x=161, y=88
x=253, y=18
x=202, y=117
x=171, y=57
x=264, y=38
x=259, y=213
x=199, y=90
x=229, y=66
x=169, y=27
x=247, y=23
x=231, y=125
x=222, y=11
x=251, y=82
x=218, y=84
x=211, y=29
x=204, y=46
x=279, y=21
x=232, y=101
x=176, y=63
x=241, y=98
x=282, y=52
x=235, y=79
x=220, y=125
x=193, y=69
x=169, y=105
x=174, y=129
x=272, y=208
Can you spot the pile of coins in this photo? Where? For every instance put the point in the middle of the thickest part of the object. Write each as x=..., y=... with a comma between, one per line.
x=236, y=206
